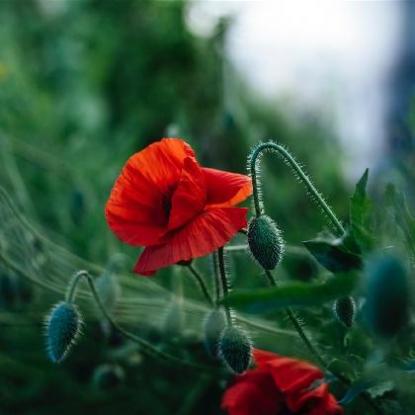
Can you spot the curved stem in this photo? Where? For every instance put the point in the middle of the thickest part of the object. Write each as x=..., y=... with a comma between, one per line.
x=289, y=159
x=199, y=280
x=144, y=345
x=224, y=282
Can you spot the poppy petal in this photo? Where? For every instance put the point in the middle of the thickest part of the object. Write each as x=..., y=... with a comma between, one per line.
x=291, y=375
x=161, y=163
x=190, y=195
x=135, y=209
x=226, y=189
x=252, y=393
x=217, y=226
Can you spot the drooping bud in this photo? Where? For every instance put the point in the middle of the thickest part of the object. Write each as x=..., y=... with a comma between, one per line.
x=235, y=348
x=62, y=329
x=213, y=326
x=108, y=376
x=345, y=310
x=265, y=241
x=387, y=295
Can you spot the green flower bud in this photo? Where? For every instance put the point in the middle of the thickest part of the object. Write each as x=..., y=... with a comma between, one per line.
x=265, y=241
x=235, y=349
x=345, y=310
x=213, y=326
x=387, y=295
x=62, y=329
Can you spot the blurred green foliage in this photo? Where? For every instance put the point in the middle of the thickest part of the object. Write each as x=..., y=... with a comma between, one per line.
x=83, y=85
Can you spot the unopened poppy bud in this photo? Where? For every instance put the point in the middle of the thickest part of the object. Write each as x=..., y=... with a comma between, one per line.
x=62, y=329
x=265, y=241
x=214, y=325
x=345, y=309
x=235, y=349
x=108, y=376
x=387, y=297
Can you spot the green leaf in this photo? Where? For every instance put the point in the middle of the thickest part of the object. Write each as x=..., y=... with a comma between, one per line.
x=292, y=294
x=360, y=214
x=334, y=255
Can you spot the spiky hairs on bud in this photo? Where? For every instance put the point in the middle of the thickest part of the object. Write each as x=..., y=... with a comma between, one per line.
x=387, y=295
x=235, y=349
x=345, y=310
x=265, y=241
x=213, y=326
x=62, y=329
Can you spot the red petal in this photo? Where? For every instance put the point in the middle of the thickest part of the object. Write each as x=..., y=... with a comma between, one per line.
x=253, y=393
x=292, y=375
x=190, y=195
x=135, y=210
x=209, y=231
x=261, y=357
x=226, y=189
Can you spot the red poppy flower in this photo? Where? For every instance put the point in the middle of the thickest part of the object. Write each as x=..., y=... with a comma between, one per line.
x=165, y=201
x=280, y=386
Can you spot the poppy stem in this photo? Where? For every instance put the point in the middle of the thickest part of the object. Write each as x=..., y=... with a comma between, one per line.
x=202, y=286
x=224, y=282
x=297, y=325
x=145, y=346
x=215, y=261
x=253, y=160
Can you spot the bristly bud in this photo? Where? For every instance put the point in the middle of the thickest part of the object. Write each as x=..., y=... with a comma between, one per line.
x=345, y=310
x=62, y=329
x=265, y=241
x=235, y=349
x=387, y=297
x=213, y=326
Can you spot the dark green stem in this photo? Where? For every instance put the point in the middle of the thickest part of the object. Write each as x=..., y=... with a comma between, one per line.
x=217, y=282
x=199, y=280
x=224, y=282
x=299, y=172
x=145, y=346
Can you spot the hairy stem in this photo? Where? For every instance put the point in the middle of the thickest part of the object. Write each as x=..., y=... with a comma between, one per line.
x=224, y=282
x=145, y=346
x=289, y=159
x=202, y=286
x=216, y=273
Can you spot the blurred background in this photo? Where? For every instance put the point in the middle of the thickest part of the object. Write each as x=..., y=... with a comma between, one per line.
x=86, y=83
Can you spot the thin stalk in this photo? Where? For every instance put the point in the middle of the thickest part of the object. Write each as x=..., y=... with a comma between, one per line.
x=289, y=159
x=217, y=281
x=144, y=344
x=224, y=282
x=202, y=286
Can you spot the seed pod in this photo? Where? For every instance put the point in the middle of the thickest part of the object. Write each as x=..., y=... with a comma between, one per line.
x=108, y=376
x=62, y=329
x=265, y=241
x=387, y=298
x=235, y=349
x=345, y=310
x=213, y=326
